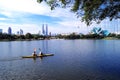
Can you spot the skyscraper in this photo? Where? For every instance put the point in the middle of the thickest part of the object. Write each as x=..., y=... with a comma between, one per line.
x=46, y=30
x=43, y=31
x=9, y=30
x=21, y=32
x=18, y=32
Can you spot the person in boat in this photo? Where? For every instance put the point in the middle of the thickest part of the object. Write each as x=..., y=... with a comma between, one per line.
x=40, y=53
x=34, y=53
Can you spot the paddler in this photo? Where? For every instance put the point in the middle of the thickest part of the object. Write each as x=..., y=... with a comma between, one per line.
x=34, y=53
x=40, y=53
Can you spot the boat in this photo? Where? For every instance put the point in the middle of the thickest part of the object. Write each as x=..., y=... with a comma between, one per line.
x=44, y=55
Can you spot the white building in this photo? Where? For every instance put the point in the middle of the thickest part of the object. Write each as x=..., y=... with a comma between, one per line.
x=21, y=32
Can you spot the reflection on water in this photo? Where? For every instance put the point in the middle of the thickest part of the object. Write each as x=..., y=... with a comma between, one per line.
x=73, y=60
x=45, y=46
x=10, y=59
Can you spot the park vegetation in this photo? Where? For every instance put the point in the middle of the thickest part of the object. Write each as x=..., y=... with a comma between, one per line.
x=88, y=36
x=29, y=36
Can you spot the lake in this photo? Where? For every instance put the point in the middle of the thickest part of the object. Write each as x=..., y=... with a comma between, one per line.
x=72, y=60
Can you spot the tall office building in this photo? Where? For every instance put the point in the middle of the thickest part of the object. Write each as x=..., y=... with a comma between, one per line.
x=46, y=30
x=43, y=31
x=9, y=30
x=18, y=32
x=0, y=30
x=21, y=32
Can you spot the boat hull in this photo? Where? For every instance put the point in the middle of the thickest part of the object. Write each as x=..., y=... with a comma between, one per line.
x=44, y=55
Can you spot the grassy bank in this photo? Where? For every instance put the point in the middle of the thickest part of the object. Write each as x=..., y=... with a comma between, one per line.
x=110, y=38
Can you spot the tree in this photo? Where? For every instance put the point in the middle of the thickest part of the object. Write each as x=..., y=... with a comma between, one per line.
x=28, y=36
x=89, y=10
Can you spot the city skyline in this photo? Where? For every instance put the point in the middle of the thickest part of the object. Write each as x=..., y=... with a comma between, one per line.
x=30, y=15
x=43, y=31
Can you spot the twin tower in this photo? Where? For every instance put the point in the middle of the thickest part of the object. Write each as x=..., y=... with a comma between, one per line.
x=45, y=29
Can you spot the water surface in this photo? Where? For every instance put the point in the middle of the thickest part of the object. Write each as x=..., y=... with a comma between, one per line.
x=72, y=60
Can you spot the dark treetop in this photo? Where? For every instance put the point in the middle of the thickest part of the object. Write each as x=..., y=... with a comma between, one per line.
x=89, y=10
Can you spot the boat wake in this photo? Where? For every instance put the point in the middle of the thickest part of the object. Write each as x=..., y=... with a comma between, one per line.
x=10, y=59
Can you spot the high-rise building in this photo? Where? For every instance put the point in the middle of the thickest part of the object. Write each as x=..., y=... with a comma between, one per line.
x=9, y=30
x=46, y=30
x=43, y=31
x=0, y=30
x=18, y=32
x=21, y=32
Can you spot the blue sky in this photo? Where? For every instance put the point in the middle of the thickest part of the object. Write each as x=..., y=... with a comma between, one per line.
x=30, y=15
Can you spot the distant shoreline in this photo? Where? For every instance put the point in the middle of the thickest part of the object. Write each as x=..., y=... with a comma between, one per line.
x=73, y=36
x=20, y=39
x=110, y=38
x=106, y=38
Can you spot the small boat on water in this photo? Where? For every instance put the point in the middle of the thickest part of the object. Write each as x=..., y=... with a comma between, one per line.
x=44, y=55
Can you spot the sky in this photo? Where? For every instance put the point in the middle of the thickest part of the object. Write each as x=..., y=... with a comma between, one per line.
x=29, y=16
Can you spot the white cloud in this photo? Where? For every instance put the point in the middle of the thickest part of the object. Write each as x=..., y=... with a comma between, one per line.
x=19, y=9
x=32, y=28
x=30, y=6
x=3, y=19
x=6, y=13
x=11, y=7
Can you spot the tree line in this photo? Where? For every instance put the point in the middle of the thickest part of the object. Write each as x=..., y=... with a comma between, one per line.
x=88, y=36
x=27, y=36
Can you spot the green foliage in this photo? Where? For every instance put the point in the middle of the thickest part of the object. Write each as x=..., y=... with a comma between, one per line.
x=72, y=36
x=6, y=36
x=81, y=36
x=93, y=36
x=28, y=36
x=59, y=36
x=112, y=35
x=118, y=36
x=37, y=36
x=76, y=5
x=39, y=1
x=53, y=4
x=90, y=10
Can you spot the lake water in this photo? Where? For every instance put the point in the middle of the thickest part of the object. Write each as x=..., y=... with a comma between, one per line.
x=72, y=60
